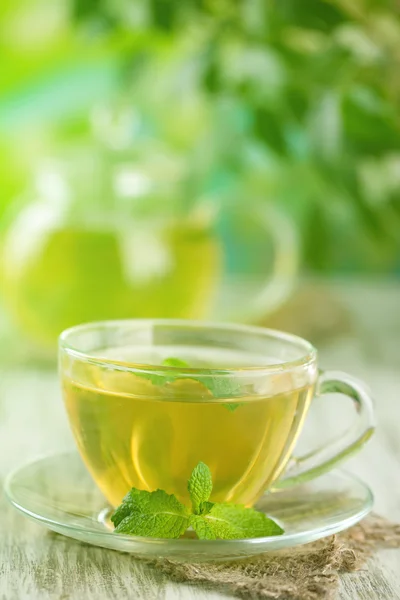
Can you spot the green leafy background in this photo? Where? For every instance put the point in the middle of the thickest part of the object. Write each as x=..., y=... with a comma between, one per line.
x=298, y=99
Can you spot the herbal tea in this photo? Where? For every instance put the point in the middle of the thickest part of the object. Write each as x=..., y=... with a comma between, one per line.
x=147, y=432
x=69, y=274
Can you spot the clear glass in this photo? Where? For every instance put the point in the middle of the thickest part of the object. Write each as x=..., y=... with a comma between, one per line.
x=232, y=396
x=58, y=493
x=109, y=235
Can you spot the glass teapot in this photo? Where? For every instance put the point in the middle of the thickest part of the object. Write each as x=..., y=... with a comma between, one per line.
x=105, y=238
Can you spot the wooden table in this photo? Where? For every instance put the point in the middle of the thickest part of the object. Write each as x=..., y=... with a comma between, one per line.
x=38, y=565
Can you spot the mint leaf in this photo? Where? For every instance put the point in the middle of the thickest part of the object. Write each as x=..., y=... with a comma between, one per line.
x=153, y=514
x=166, y=377
x=175, y=362
x=156, y=378
x=126, y=508
x=202, y=528
x=158, y=514
x=232, y=406
x=233, y=521
x=220, y=387
x=200, y=486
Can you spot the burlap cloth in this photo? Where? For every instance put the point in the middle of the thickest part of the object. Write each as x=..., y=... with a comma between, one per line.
x=309, y=572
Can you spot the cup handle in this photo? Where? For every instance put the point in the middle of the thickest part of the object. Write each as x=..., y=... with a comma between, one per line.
x=323, y=459
x=283, y=234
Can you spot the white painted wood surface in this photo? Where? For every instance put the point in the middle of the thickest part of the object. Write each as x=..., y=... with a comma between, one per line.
x=38, y=565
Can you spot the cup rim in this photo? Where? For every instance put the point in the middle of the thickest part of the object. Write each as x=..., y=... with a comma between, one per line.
x=309, y=357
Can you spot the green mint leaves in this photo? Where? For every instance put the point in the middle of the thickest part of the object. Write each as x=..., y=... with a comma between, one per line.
x=224, y=521
x=175, y=362
x=233, y=521
x=151, y=514
x=200, y=487
x=218, y=386
x=161, y=515
x=167, y=376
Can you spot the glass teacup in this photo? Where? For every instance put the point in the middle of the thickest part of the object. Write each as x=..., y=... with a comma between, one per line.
x=148, y=399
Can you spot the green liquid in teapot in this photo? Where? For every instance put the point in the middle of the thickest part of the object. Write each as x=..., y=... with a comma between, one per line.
x=56, y=277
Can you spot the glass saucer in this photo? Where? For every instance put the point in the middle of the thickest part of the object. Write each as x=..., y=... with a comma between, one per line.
x=58, y=492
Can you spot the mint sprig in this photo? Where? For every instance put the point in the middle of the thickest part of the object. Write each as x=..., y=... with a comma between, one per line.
x=161, y=515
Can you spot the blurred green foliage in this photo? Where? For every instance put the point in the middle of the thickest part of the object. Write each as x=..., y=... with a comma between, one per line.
x=297, y=100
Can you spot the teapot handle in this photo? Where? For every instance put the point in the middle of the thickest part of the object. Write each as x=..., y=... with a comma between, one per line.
x=281, y=278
